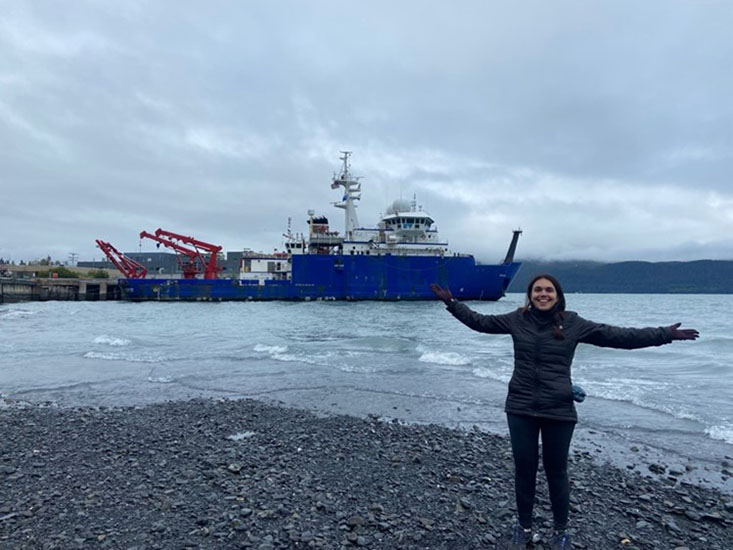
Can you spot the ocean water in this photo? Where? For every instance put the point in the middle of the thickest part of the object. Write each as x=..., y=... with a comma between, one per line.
x=407, y=360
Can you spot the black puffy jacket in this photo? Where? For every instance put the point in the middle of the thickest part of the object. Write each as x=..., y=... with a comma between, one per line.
x=540, y=385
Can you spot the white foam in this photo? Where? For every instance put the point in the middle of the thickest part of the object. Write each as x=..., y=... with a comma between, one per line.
x=483, y=372
x=330, y=359
x=160, y=379
x=444, y=358
x=642, y=393
x=364, y=369
x=309, y=359
x=272, y=350
x=288, y=358
x=623, y=389
x=241, y=435
x=13, y=313
x=723, y=432
x=118, y=356
x=111, y=341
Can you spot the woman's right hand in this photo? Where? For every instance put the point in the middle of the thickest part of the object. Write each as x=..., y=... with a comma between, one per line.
x=442, y=293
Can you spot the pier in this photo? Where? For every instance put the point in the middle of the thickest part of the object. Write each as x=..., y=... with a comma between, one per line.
x=26, y=289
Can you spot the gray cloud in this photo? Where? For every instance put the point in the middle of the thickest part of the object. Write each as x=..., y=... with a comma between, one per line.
x=602, y=129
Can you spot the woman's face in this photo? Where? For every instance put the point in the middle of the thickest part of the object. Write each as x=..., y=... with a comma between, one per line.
x=543, y=295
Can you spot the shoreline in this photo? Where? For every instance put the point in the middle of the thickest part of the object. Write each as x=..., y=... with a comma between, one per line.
x=245, y=473
x=668, y=465
x=631, y=454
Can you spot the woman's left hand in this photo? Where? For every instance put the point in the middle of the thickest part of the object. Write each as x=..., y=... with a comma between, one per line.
x=683, y=334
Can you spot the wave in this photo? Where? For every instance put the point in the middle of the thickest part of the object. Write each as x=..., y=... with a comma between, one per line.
x=15, y=313
x=722, y=432
x=483, y=372
x=331, y=359
x=5, y=402
x=379, y=344
x=292, y=358
x=444, y=358
x=160, y=379
x=120, y=356
x=272, y=350
x=623, y=389
x=641, y=393
x=637, y=392
x=14, y=403
x=111, y=341
x=354, y=368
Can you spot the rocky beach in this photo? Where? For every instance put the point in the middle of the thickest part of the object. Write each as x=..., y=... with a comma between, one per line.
x=255, y=475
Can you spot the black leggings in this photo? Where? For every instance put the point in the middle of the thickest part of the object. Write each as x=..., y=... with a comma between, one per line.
x=556, y=435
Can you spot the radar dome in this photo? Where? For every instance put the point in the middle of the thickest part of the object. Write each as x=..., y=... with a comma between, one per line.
x=400, y=205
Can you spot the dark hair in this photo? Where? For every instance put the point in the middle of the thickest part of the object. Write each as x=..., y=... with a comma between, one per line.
x=559, y=307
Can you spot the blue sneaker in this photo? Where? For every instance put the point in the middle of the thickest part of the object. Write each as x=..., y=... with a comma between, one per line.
x=521, y=537
x=561, y=541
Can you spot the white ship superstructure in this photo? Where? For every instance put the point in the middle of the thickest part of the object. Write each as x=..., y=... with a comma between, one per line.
x=405, y=230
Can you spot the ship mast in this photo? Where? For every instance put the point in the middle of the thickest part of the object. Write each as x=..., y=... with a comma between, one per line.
x=352, y=192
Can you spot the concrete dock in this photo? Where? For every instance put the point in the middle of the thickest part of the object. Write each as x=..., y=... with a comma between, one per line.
x=42, y=289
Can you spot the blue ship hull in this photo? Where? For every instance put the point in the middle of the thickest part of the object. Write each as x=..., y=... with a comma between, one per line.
x=342, y=277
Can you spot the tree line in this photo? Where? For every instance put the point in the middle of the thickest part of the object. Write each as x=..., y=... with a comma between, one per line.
x=695, y=277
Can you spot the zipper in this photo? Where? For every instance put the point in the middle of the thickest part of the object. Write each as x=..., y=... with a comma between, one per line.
x=535, y=385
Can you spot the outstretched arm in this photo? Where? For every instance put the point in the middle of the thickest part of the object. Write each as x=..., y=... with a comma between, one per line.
x=493, y=324
x=683, y=334
x=610, y=336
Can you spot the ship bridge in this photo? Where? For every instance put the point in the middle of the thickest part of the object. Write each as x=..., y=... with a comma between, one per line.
x=405, y=221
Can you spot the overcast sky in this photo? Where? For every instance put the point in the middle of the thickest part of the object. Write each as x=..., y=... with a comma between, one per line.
x=603, y=129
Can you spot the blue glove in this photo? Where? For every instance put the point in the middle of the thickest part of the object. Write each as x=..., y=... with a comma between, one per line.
x=578, y=394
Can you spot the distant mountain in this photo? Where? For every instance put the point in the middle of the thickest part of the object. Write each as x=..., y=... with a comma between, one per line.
x=697, y=277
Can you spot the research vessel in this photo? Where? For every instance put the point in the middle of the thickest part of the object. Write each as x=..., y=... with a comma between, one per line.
x=395, y=260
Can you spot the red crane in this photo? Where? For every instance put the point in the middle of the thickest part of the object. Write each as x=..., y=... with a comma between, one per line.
x=127, y=266
x=190, y=268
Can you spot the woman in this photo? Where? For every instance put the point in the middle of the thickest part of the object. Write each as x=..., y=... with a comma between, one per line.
x=540, y=398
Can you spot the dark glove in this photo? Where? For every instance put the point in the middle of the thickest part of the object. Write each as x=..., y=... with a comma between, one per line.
x=683, y=334
x=442, y=293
